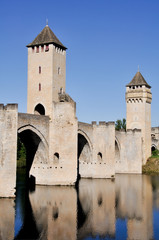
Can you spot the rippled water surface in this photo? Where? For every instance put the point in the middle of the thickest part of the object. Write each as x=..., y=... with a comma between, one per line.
x=126, y=208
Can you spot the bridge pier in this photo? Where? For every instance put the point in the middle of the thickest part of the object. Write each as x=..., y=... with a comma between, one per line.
x=8, y=149
x=61, y=165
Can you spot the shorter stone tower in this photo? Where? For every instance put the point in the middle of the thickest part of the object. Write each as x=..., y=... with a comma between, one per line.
x=46, y=72
x=138, y=106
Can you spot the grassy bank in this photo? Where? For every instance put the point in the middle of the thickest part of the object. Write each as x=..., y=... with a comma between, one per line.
x=152, y=165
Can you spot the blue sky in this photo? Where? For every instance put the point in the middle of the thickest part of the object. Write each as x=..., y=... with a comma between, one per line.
x=106, y=41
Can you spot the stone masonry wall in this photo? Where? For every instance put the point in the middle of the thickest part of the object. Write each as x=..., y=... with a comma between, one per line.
x=8, y=149
x=102, y=163
x=129, y=156
x=61, y=168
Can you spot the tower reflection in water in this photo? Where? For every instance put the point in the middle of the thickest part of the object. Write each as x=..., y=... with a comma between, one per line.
x=96, y=209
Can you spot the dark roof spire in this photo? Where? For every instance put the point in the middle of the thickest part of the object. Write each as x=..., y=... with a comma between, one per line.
x=46, y=36
x=138, y=80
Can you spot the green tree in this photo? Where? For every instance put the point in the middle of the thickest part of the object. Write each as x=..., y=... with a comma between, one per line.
x=120, y=124
x=21, y=154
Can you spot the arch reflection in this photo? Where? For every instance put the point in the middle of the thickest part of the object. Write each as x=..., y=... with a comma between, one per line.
x=99, y=208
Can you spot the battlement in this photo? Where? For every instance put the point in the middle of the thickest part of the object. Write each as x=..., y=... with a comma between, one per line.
x=9, y=107
x=128, y=131
x=45, y=48
x=103, y=123
x=84, y=124
x=138, y=94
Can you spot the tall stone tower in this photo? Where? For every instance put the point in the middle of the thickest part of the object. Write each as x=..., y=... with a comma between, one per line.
x=138, y=105
x=46, y=72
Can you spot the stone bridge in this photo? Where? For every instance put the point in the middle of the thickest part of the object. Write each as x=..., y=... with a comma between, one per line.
x=102, y=151
x=33, y=131
x=58, y=150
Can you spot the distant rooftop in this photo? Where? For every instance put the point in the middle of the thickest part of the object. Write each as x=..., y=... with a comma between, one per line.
x=138, y=80
x=46, y=36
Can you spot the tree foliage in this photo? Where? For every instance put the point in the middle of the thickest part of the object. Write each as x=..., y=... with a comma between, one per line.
x=120, y=124
x=21, y=154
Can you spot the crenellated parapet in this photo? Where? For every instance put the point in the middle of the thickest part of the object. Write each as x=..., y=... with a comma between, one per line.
x=138, y=94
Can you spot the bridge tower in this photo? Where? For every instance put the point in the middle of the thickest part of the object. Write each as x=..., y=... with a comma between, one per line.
x=46, y=72
x=138, y=116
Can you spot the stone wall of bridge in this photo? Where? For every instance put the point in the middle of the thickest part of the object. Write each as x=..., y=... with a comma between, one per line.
x=8, y=149
x=96, y=150
x=61, y=166
x=128, y=151
x=154, y=138
x=59, y=149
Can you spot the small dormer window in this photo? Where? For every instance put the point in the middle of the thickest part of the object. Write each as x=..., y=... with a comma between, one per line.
x=37, y=49
x=47, y=48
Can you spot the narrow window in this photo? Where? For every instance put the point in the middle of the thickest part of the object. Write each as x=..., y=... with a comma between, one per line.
x=32, y=49
x=39, y=87
x=61, y=90
x=47, y=48
x=39, y=69
x=37, y=49
x=59, y=70
x=42, y=48
x=56, y=158
x=99, y=156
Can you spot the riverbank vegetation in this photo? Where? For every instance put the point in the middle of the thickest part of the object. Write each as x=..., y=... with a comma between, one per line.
x=152, y=165
x=21, y=154
x=120, y=124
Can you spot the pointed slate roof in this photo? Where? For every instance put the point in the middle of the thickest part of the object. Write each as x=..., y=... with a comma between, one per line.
x=138, y=80
x=46, y=36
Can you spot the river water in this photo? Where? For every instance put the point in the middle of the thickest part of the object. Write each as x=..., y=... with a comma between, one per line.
x=124, y=208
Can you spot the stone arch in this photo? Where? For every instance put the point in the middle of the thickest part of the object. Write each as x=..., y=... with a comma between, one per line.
x=84, y=147
x=86, y=137
x=35, y=144
x=35, y=130
x=153, y=147
x=39, y=109
x=117, y=150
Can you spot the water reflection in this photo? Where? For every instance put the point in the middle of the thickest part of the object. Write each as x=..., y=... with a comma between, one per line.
x=134, y=202
x=126, y=208
x=55, y=212
x=7, y=213
x=97, y=198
